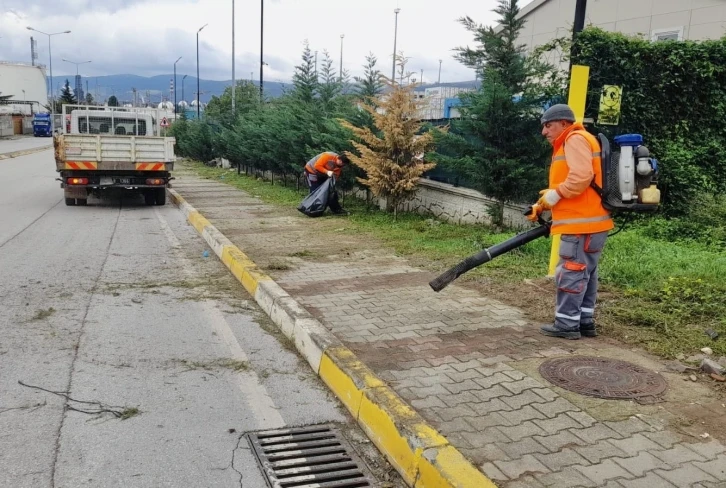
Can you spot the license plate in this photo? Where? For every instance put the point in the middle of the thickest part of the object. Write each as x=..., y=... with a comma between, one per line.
x=106, y=180
x=123, y=181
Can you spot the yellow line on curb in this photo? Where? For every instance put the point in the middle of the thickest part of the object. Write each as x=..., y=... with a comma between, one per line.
x=24, y=152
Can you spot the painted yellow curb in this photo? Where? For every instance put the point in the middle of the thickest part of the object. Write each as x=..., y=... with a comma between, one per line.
x=422, y=456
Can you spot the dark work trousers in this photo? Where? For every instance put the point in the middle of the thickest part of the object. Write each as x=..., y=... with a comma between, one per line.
x=314, y=182
x=576, y=279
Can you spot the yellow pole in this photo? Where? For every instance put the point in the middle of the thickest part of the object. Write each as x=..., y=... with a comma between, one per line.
x=576, y=100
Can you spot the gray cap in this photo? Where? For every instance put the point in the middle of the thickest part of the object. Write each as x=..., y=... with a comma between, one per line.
x=558, y=112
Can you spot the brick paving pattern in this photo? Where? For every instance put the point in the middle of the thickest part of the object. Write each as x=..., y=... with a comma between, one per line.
x=465, y=362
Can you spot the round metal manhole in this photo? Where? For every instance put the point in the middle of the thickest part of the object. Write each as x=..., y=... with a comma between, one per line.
x=604, y=378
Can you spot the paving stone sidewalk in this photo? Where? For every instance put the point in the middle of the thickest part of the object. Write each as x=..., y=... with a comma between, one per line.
x=468, y=363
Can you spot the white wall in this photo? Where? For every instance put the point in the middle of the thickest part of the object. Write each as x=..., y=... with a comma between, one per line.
x=692, y=19
x=14, y=78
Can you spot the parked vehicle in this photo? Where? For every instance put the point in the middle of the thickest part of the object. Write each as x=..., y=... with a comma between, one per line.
x=42, y=125
x=105, y=148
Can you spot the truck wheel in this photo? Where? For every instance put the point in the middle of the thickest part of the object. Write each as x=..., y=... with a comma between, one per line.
x=149, y=198
x=71, y=202
x=160, y=196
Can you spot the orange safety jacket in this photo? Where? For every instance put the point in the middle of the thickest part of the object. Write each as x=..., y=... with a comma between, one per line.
x=583, y=214
x=322, y=163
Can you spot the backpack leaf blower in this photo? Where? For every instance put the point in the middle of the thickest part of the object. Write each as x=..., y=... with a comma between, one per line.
x=486, y=255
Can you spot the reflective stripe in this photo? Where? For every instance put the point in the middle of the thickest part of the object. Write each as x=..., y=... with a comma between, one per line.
x=568, y=317
x=596, y=154
x=588, y=310
x=581, y=221
x=559, y=158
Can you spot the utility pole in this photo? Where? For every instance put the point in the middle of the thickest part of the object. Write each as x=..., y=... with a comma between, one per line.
x=262, y=41
x=340, y=75
x=395, y=38
x=580, y=8
x=234, y=83
x=440, y=61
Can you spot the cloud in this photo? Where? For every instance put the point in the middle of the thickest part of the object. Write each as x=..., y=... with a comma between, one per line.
x=144, y=37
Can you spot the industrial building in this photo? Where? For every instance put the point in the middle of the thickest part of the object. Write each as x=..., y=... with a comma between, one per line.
x=26, y=87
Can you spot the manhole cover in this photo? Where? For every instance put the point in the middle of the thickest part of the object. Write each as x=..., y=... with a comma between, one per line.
x=314, y=456
x=604, y=378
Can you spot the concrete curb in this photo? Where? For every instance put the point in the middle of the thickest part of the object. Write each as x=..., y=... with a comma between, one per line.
x=422, y=456
x=24, y=152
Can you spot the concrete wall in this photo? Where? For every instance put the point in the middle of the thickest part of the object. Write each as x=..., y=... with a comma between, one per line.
x=686, y=19
x=6, y=126
x=16, y=77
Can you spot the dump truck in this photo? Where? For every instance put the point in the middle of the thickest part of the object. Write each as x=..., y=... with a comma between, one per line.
x=103, y=149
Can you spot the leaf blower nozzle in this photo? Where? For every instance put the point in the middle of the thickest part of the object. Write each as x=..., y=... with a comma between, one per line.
x=486, y=255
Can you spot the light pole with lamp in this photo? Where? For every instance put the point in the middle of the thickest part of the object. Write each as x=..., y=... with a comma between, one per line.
x=73, y=62
x=183, y=99
x=50, y=63
x=341, y=58
x=175, y=83
x=199, y=102
x=234, y=83
x=395, y=38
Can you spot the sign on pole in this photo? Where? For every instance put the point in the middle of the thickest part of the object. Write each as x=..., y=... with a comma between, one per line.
x=164, y=123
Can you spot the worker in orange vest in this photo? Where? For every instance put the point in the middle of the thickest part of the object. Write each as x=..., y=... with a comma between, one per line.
x=320, y=168
x=578, y=216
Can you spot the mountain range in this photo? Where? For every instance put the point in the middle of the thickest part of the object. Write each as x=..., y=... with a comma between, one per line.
x=158, y=88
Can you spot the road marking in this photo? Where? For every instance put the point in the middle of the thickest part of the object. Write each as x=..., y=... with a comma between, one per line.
x=254, y=393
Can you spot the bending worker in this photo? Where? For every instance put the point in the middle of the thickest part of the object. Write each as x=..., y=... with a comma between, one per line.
x=578, y=216
x=320, y=168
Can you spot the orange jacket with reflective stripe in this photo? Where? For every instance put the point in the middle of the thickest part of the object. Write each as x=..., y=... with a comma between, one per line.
x=322, y=163
x=583, y=214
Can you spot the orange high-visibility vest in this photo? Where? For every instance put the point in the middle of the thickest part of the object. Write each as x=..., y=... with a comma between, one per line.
x=583, y=214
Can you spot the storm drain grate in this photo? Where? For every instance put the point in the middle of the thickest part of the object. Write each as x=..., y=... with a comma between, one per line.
x=306, y=457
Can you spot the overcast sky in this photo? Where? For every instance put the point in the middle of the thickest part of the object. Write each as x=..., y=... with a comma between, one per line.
x=144, y=37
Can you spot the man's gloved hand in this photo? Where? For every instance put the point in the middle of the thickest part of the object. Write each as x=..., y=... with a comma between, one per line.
x=535, y=213
x=330, y=174
x=548, y=199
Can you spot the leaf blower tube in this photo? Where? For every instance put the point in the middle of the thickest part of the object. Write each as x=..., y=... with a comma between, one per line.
x=442, y=281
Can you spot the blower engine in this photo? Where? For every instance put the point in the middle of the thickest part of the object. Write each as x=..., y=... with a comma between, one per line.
x=629, y=176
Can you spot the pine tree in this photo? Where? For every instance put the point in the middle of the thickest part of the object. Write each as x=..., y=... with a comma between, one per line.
x=305, y=78
x=370, y=85
x=329, y=85
x=394, y=160
x=497, y=144
x=112, y=101
x=67, y=97
x=89, y=99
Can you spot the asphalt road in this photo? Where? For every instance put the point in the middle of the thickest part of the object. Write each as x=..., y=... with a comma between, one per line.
x=22, y=143
x=114, y=307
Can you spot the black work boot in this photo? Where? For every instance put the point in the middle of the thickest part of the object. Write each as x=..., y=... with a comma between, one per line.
x=552, y=331
x=587, y=329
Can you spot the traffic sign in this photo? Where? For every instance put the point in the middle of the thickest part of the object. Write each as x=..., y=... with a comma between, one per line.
x=164, y=122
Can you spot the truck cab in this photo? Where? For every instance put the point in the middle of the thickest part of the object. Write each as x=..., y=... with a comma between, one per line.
x=42, y=125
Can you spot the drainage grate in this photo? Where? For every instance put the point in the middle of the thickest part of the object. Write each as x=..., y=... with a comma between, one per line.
x=313, y=456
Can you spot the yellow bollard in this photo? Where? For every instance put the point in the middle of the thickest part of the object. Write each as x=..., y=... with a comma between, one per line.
x=576, y=100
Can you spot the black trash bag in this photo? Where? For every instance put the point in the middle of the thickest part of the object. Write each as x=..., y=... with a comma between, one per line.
x=314, y=205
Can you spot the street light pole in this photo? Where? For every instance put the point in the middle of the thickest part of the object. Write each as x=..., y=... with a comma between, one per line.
x=234, y=83
x=199, y=102
x=262, y=40
x=440, y=61
x=175, y=82
x=183, y=99
x=395, y=38
x=341, y=58
x=50, y=63
x=73, y=62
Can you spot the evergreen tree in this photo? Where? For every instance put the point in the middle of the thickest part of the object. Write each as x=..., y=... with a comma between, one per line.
x=392, y=156
x=67, y=97
x=329, y=85
x=305, y=78
x=112, y=101
x=89, y=99
x=247, y=98
x=497, y=144
x=370, y=85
